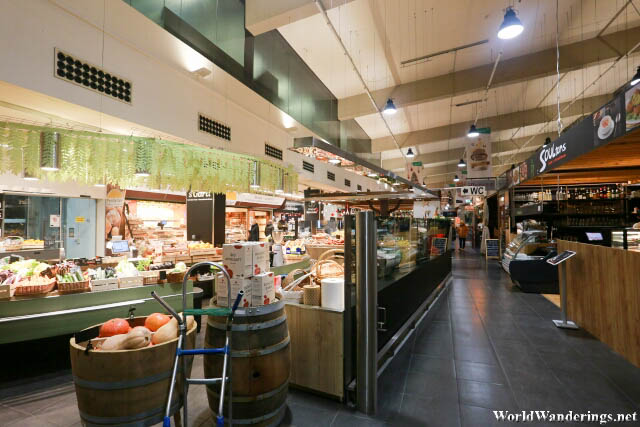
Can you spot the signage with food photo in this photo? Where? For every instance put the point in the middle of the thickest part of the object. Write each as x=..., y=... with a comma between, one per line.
x=524, y=172
x=608, y=122
x=632, y=107
x=479, y=157
x=114, y=215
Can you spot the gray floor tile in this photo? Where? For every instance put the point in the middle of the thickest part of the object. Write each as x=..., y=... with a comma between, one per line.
x=303, y=416
x=419, y=411
x=434, y=365
x=482, y=372
x=486, y=395
x=475, y=354
x=431, y=385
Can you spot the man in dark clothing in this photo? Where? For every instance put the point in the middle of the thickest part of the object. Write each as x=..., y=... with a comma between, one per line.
x=268, y=230
x=254, y=232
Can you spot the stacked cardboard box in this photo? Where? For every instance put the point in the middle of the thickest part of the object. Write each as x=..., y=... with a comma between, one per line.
x=248, y=265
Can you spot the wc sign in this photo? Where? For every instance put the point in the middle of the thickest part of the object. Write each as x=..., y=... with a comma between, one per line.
x=472, y=191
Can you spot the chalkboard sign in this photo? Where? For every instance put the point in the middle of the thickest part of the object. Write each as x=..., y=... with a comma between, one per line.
x=493, y=248
x=439, y=246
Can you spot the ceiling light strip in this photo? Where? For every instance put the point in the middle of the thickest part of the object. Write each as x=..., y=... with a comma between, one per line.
x=322, y=10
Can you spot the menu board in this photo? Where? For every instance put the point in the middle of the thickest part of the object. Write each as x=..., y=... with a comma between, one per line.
x=439, y=246
x=493, y=248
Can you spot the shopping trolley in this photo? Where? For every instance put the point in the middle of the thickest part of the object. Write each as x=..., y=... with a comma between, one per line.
x=181, y=352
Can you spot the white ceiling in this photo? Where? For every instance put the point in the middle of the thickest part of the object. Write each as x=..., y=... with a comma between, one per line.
x=412, y=28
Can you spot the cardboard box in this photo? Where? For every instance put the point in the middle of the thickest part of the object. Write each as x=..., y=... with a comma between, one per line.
x=260, y=258
x=237, y=284
x=238, y=259
x=262, y=290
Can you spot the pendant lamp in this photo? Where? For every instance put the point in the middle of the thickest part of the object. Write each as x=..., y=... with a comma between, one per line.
x=511, y=26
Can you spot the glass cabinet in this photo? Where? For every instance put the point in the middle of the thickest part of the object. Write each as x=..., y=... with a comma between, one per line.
x=628, y=238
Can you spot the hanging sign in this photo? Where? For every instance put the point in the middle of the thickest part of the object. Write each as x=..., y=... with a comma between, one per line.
x=472, y=191
x=114, y=212
x=478, y=157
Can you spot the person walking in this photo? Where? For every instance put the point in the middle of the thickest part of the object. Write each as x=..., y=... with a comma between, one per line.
x=463, y=230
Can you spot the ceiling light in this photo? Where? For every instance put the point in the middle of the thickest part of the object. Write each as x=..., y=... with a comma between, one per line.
x=390, y=108
x=546, y=142
x=410, y=153
x=461, y=163
x=636, y=78
x=473, y=132
x=335, y=161
x=456, y=179
x=511, y=26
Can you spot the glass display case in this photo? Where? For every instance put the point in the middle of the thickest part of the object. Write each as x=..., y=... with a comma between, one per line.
x=628, y=238
x=527, y=246
x=524, y=259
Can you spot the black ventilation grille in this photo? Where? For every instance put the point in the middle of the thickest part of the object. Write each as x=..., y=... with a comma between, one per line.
x=359, y=187
x=88, y=76
x=271, y=151
x=347, y=182
x=210, y=126
x=331, y=176
x=308, y=166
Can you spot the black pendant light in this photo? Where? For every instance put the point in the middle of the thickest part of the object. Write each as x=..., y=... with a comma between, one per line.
x=456, y=178
x=389, y=108
x=636, y=78
x=546, y=142
x=410, y=153
x=461, y=163
x=473, y=132
x=511, y=26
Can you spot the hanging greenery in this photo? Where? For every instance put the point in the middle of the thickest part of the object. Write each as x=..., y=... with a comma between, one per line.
x=90, y=158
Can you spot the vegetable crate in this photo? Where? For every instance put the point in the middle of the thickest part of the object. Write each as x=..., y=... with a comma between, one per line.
x=150, y=277
x=130, y=282
x=73, y=287
x=104, y=285
x=198, y=252
x=5, y=291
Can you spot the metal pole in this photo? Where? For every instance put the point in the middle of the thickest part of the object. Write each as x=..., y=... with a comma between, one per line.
x=366, y=312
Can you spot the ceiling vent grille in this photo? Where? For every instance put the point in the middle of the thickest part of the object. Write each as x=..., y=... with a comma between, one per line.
x=81, y=73
x=212, y=127
x=308, y=166
x=331, y=176
x=347, y=182
x=272, y=151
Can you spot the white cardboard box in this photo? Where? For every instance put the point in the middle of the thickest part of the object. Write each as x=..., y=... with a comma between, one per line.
x=260, y=258
x=237, y=284
x=238, y=259
x=262, y=289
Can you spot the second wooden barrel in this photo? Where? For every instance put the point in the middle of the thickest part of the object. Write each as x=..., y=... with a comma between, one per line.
x=261, y=364
x=126, y=387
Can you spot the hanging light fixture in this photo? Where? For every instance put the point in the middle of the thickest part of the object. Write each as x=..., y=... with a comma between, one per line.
x=389, y=108
x=50, y=151
x=636, y=78
x=546, y=142
x=473, y=132
x=410, y=153
x=511, y=26
x=461, y=163
x=255, y=175
x=143, y=158
x=456, y=179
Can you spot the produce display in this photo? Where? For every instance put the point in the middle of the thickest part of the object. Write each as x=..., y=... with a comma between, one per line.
x=117, y=334
x=102, y=274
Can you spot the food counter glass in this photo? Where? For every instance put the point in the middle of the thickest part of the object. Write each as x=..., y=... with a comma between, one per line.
x=629, y=239
x=524, y=259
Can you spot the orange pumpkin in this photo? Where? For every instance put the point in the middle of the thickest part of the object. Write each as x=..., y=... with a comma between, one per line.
x=155, y=321
x=114, y=327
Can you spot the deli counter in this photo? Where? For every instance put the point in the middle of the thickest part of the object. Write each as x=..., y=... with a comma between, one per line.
x=524, y=259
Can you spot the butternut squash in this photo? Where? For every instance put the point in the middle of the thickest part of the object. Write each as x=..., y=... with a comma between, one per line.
x=114, y=342
x=167, y=332
x=138, y=337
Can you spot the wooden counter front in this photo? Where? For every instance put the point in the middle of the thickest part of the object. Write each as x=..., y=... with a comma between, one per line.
x=317, y=354
x=603, y=295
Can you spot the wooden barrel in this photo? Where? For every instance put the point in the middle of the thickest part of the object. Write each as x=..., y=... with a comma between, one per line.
x=261, y=363
x=127, y=387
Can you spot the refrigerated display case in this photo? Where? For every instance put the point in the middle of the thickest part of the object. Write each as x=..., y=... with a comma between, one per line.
x=524, y=259
x=628, y=239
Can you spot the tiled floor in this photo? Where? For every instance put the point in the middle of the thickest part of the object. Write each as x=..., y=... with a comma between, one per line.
x=489, y=347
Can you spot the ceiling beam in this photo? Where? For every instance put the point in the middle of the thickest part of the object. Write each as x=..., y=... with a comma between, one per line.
x=496, y=123
x=262, y=16
x=498, y=149
x=573, y=56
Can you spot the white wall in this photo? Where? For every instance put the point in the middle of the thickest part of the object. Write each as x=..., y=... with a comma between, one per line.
x=166, y=96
